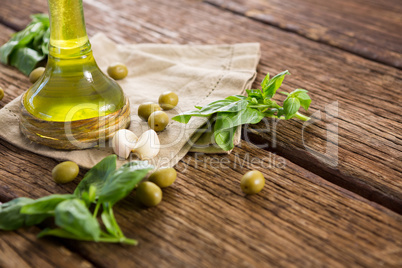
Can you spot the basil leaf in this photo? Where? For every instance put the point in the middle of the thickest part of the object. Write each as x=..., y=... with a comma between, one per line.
x=213, y=107
x=290, y=106
x=298, y=91
x=107, y=221
x=229, y=120
x=254, y=93
x=226, y=124
x=224, y=138
x=6, y=50
x=74, y=217
x=110, y=222
x=122, y=181
x=236, y=98
x=186, y=116
x=265, y=81
x=12, y=219
x=303, y=97
x=63, y=234
x=25, y=59
x=19, y=40
x=305, y=100
x=272, y=86
x=45, y=205
x=28, y=47
x=223, y=106
x=97, y=176
x=280, y=112
x=43, y=18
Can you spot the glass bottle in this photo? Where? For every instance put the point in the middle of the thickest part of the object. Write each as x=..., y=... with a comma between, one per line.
x=74, y=105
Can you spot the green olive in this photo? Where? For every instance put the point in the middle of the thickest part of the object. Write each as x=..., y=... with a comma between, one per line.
x=158, y=120
x=252, y=182
x=65, y=172
x=36, y=74
x=117, y=71
x=149, y=194
x=163, y=177
x=168, y=100
x=146, y=109
x=1, y=93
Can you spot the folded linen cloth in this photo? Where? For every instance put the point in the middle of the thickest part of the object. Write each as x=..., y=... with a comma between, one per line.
x=199, y=74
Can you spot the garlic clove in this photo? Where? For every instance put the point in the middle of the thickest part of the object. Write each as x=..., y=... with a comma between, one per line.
x=123, y=142
x=147, y=146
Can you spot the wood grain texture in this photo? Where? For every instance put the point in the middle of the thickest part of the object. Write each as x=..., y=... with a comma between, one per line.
x=299, y=219
x=368, y=119
x=22, y=249
x=370, y=29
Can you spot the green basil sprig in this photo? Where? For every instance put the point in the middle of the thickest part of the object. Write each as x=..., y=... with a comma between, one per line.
x=28, y=47
x=238, y=110
x=102, y=186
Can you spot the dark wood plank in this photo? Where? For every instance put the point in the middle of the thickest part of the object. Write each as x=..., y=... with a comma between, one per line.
x=367, y=28
x=204, y=220
x=21, y=249
x=367, y=93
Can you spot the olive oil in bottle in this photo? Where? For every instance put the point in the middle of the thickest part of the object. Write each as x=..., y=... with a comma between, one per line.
x=72, y=88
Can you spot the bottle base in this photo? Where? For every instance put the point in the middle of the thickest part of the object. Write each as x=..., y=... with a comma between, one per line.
x=73, y=135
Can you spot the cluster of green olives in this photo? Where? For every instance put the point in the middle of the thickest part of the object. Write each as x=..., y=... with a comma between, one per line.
x=153, y=114
x=149, y=192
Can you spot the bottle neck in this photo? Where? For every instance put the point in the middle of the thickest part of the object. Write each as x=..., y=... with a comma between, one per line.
x=68, y=36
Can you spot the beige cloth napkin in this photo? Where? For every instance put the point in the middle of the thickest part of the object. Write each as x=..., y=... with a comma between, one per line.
x=199, y=74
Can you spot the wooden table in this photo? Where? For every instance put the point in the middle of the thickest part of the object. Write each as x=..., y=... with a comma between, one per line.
x=333, y=195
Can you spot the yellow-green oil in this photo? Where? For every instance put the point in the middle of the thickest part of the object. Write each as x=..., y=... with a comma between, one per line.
x=72, y=86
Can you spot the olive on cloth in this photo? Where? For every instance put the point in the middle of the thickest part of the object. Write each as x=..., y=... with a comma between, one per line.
x=117, y=71
x=158, y=120
x=146, y=109
x=168, y=100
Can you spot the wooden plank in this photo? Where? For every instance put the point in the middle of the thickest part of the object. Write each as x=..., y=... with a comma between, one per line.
x=367, y=93
x=299, y=219
x=21, y=249
x=370, y=29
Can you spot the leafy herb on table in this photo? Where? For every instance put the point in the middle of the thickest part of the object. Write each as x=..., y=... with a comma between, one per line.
x=238, y=110
x=102, y=186
x=28, y=47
